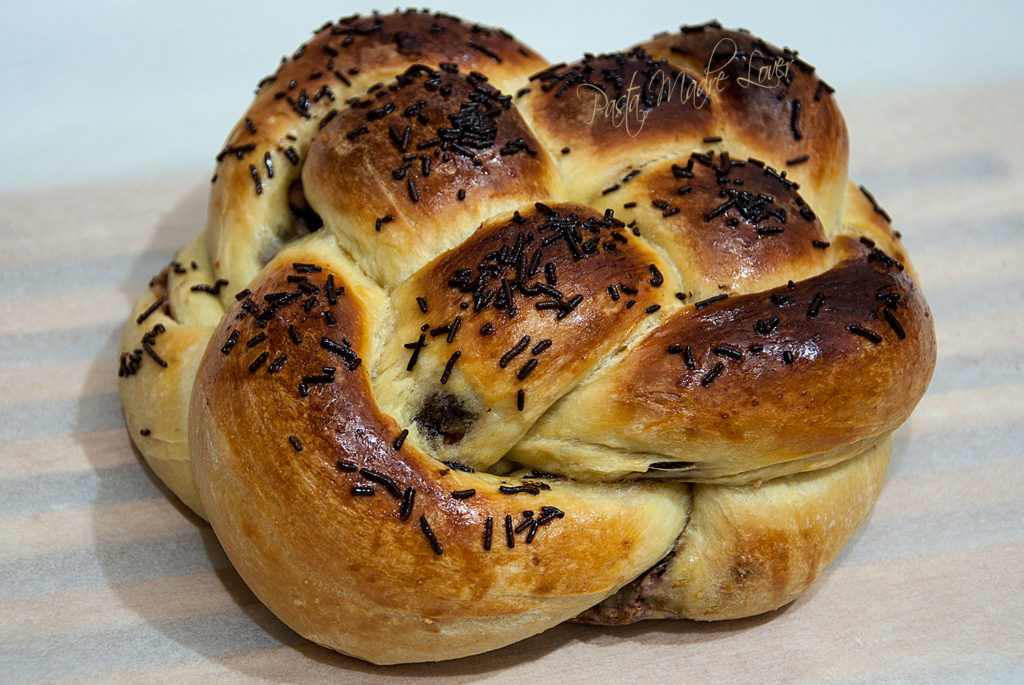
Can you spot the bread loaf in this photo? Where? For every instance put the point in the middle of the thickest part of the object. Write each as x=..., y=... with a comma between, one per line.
x=472, y=344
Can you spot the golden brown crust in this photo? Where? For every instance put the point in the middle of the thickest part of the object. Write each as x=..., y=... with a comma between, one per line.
x=346, y=393
x=161, y=345
x=731, y=226
x=753, y=548
x=735, y=385
x=282, y=448
x=249, y=216
x=413, y=174
x=772, y=106
x=609, y=114
x=517, y=313
x=155, y=379
x=864, y=217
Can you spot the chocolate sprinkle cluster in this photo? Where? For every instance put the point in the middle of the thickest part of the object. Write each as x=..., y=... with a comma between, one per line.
x=740, y=57
x=804, y=311
x=314, y=292
x=513, y=271
x=614, y=74
x=406, y=499
x=758, y=208
x=520, y=269
x=130, y=362
x=425, y=131
x=306, y=294
x=309, y=83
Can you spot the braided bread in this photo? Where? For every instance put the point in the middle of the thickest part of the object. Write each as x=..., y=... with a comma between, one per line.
x=472, y=344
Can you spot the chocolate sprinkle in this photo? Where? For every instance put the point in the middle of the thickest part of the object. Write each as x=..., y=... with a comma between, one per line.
x=356, y=132
x=415, y=347
x=389, y=484
x=864, y=333
x=488, y=533
x=454, y=329
x=728, y=351
x=295, y=443
x=549, y=513
x=211, y=289
x=709, y=301
x=550, y=275
x=541, y=346
x=794, y=122
x=688, y=359
x=230, y=342
x=152, y=308
x=463, y=494
x=331, y=292
x=534, y=525
x=429, y=534
x=258, y=362
x=526, y=369
x=875, y=205
x=254, y=172
x=485, y=50
x=408, y=497
x=891, y=300
x=400, y=440
x=712, y=374
x=352, y=361
x=514, y=351
x=815, y=306
x=459, y=466
x=519, y=489
x=448, y=367
x=894, y=323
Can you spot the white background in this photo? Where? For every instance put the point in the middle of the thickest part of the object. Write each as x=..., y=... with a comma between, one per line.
x=93, y=92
